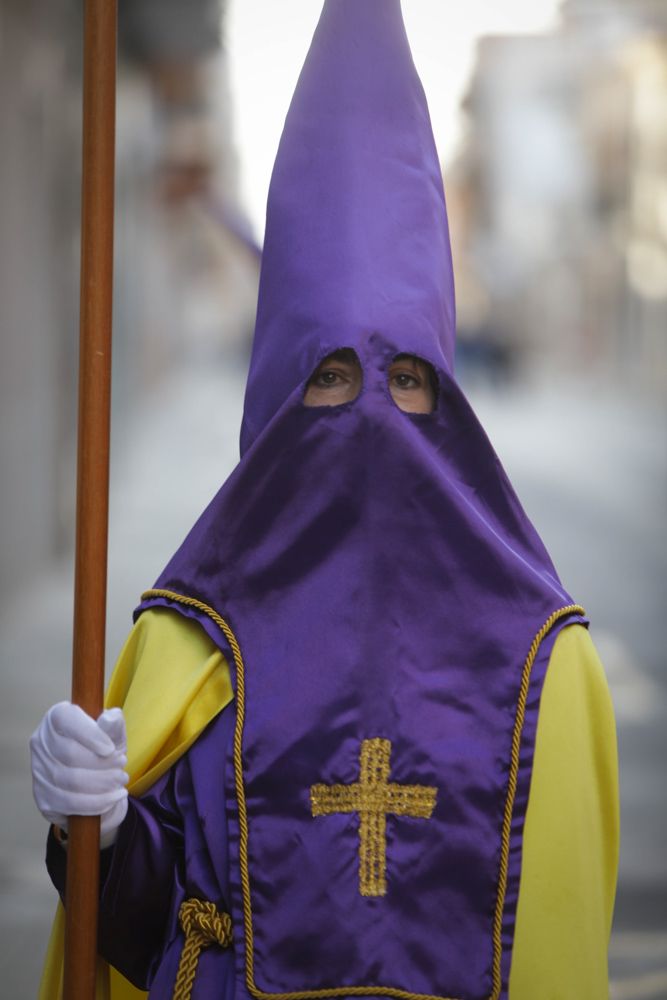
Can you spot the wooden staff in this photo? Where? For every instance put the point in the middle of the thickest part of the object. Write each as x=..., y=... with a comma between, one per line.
x=92, y=513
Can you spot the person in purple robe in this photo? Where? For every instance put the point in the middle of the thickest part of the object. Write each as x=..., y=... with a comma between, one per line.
x=411, y=791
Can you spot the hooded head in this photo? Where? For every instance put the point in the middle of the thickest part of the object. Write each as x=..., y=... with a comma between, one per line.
x=387, y=592
x=357, y=242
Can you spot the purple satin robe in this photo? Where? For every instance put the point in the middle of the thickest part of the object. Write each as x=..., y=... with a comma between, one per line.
x=385, y=588
x=174, y=844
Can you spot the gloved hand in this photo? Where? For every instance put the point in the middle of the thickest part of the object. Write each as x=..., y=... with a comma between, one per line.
x=78, y=767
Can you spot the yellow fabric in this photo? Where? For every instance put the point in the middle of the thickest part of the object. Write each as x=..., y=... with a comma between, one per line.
x=571, y=839
x=183, y=683
x=570, y=848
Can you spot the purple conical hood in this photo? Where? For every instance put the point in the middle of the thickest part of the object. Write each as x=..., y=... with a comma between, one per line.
x=357, y=240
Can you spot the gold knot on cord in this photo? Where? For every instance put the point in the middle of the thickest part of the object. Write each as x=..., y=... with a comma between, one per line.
x=203, y=924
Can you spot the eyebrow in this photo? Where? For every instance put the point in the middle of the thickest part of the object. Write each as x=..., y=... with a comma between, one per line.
x=343, y=354
x=409, y=357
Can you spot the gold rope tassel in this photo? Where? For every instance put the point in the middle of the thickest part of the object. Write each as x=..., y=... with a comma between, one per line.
x=203, y=925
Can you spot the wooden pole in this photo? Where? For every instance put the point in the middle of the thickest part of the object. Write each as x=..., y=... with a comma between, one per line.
x=90, y=582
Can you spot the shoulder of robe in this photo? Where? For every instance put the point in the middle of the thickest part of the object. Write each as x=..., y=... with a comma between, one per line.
x=576, y=671
x=159, y=636
x=171, y=680
x=576, y=724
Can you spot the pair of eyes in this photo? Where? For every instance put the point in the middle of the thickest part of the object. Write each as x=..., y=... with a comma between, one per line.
x=337, y=379
x=329, y=377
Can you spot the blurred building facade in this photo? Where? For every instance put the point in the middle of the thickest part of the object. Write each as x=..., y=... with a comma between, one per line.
x=186, y=271
x=557, y=195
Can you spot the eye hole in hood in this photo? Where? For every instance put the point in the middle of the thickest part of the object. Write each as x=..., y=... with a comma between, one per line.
x=413, y=384
x=337, y=379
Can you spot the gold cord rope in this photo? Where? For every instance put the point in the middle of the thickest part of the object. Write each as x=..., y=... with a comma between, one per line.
x=203, y=925
x=211, y=613
x=570, y=609
x=398, y=994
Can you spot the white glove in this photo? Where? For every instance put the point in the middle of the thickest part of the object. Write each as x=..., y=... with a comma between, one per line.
x=78, y=767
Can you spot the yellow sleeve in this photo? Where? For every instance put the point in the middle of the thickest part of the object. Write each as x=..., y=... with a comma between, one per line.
x=170, y=680
x=571, y=838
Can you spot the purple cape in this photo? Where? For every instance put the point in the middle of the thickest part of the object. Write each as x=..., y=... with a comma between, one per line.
x=384, y=595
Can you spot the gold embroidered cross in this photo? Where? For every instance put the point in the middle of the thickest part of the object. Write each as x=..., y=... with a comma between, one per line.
x=373, y=797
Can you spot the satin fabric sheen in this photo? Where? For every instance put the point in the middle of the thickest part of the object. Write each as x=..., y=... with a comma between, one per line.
x=570, y=850
x=378, y=571
x=376, y=567
x=382, y=581
x=357, y=237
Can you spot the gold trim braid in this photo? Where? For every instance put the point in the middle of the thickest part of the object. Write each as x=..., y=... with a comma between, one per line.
x=238, y=762
x=569, y=609
x=389, y=991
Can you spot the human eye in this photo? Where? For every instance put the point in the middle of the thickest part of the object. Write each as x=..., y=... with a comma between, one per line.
x=327, y=378
x=406, y=380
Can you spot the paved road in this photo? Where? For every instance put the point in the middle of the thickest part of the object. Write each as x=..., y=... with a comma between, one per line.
x=590, y=470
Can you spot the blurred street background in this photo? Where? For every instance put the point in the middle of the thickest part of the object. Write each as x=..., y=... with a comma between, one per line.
x=551, y=120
